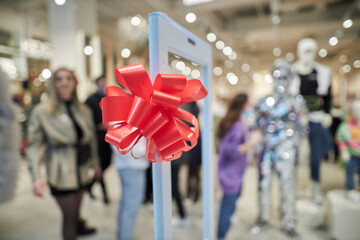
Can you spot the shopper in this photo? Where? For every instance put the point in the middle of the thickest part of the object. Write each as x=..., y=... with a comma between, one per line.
x=9, y=141
x=65, y=127
x=132, y=173
x=233, y=147
x=348, y=140
x=104, y=149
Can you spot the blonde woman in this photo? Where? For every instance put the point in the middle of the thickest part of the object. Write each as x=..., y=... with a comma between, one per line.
x=65, y=127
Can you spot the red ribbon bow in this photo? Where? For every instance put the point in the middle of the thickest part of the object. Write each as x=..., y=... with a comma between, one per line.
x=151, y=111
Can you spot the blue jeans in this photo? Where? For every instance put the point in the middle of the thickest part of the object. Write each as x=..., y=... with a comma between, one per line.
x=316, y=139
x=227, y=209
x=133, y=186
x=352, y=167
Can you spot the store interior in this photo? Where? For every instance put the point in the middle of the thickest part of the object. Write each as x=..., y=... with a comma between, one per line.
x=94, y=37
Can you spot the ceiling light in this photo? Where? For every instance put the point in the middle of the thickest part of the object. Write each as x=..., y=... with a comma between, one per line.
x=356, y=64
x=233, y=56
x=186, y=71
x=256, y=77
x=190, y=17
x=277, y=52
x=88, y=50
x=229, y=74
x=227, y=51
x=125, y=53
x=347, y=68
x=268, y=78
x=228, y=64
x=211, y=37
x=220, y=45
x=245, y=67
x=276, y=19
x=333, y=41
x=323, y=52
x=233, y=79
x=46, y=73
x=195, y=74
x=60, y=2
x=135, y=21
x=347, y=23
x=343, y=58
x=290, y=57
x=194, y=2
x=217, y=71
x=180, y=65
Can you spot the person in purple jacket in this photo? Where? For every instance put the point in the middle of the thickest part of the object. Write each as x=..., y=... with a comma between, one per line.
x=234, y=142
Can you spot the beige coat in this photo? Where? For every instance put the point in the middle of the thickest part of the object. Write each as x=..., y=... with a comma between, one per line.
x=57, y=132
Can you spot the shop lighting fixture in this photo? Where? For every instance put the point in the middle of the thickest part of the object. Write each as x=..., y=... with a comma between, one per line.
x=290, y=57
x=268, y=78
x=217, y=71
x=195, y=64
x=220, y=45
x=323, y=53
x=256, y=77
x=346, y=68
x=60, y=2
x=245, y=67
x=343, y=58
x=211, y=37
x=194, y=2
x=333, y=41
x=46, y=73
x=228, y=64
x=277, y=52
x=227, y=51
x=270, y=101
x=125, y=53
x=276, y=19
x=195, y=74
x=233, y=79
x=180, y=65
x=229, y=74
x=347, y=23
x=356, y=64
x=186, y=71
x=233, y=56
x=88, y=50
x=190, y=17
x=135, y=21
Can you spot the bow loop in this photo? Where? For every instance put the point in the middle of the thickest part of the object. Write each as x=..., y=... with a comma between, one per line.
x=152, y=112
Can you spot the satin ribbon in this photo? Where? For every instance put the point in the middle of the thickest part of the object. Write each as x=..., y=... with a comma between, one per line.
x=151, y=111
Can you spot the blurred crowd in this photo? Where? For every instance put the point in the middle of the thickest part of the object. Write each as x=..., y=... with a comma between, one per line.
x=69, y=136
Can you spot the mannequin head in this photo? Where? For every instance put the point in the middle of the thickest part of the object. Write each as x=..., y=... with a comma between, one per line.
x=355, y=109
x=306, y=51
x=282, y=74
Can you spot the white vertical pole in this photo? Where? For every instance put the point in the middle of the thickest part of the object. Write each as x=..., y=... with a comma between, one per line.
x=207, y=143
x=160, y=171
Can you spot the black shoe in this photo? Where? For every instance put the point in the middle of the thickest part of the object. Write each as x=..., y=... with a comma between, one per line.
x=106, y=200
x=83, y=229
x=259, y=226
x=292, y=234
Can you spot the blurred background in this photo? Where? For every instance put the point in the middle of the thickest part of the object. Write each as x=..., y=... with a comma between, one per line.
x=93, y=37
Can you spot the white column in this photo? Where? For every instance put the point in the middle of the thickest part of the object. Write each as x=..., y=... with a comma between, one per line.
x=69, y=24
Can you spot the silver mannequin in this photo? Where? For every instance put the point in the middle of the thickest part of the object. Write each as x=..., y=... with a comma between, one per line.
x=280, y=119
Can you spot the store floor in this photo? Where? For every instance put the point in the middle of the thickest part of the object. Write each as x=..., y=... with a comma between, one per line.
x=31, y=218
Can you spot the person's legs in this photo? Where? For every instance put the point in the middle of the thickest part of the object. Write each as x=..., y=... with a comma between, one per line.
x=350, y=172
x=70, y=205
x=149, y=190
x=133, y=186
x=315, y=137
x=227, y=209
x=193, y=184
x=175, y=189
